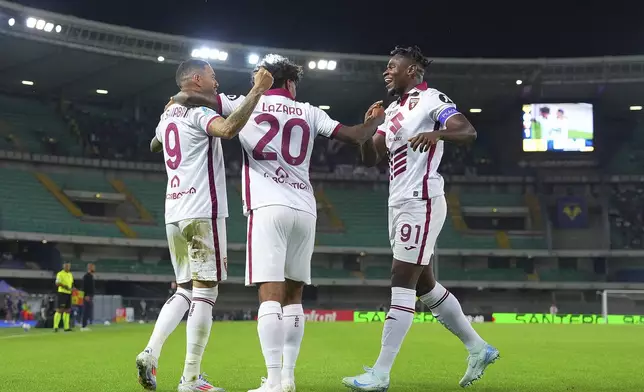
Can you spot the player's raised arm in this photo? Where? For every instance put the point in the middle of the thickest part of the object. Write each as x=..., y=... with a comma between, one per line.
x=196, y=98
x=374, y=149
x=231, y=126
x=359, y=134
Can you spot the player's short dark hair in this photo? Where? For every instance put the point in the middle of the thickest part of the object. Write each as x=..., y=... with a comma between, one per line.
x=281, y=68
x=188, y=67
x=545, y=109
x=414, y=54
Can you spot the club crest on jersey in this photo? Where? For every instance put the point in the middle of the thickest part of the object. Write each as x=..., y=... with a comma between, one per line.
x=413, y=101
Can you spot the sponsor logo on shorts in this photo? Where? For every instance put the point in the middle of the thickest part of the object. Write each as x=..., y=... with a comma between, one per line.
x=410, y=247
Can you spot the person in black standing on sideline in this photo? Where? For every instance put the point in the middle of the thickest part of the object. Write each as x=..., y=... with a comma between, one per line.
x=88, y=300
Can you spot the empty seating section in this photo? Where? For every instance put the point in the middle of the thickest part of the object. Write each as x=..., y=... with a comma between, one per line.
x=482, y=199
x=32, y=123
x=150, y=193
x=566, y=275
x=364, y=214
x=527, y=242
x=79, y=181
x=29, y=207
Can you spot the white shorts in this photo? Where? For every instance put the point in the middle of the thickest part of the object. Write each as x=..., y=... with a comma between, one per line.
x=414, y=228
x=279, y=245
x=198, y=249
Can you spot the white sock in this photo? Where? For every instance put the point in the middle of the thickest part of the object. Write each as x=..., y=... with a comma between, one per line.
x=397, y=324
x=170, y=316
x=447, y=310
x=293, y=334
x=198, y=329
x=270, y=329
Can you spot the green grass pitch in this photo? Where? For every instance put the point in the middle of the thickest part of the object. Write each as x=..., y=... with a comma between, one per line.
x=544, y=358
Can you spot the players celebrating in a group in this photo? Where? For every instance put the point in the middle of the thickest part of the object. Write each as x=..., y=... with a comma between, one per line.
x=416, y=125
x=278, y=199
x=195, y=213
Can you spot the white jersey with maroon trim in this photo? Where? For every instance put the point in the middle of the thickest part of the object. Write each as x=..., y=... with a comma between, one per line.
x=194, y=163
x=277, y=143
x=414, y=175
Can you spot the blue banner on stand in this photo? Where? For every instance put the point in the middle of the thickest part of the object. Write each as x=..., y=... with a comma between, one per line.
x=572, y=212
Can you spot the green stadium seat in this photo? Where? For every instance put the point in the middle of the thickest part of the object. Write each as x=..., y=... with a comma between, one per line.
x=29, y=207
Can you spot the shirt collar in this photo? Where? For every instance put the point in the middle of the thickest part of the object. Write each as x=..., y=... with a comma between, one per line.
x=280, y=91
x=419, y=87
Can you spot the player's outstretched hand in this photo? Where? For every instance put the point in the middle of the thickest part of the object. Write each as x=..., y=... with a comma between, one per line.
x=263, y=79
x=423, y=141
x=370, y=112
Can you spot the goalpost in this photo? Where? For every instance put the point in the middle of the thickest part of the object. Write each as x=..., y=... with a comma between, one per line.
x=629, y=299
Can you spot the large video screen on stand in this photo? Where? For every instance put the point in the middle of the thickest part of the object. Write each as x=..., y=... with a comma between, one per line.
x=558, y=127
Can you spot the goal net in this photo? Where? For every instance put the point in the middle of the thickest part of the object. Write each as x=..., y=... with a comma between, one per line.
x=622, y=306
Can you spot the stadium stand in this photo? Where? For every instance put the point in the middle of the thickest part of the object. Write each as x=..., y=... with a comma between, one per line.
x=498, y=229
x=30, y=207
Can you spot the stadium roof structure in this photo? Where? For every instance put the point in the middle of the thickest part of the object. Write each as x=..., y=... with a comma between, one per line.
x=80, y=57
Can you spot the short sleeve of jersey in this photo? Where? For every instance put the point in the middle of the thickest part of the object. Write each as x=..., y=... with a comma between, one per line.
x=441, y=108
x=201, y=117
x=228, y=103
x=323, y=124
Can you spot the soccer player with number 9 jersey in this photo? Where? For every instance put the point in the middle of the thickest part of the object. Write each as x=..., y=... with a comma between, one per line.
x=416, y=125
x=195, y=216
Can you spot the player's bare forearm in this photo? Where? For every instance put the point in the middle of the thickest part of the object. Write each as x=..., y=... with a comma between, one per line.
x=458, y=130
x=369, y=154
x=155, y=145
x=230, y=127
x=358, y=134
x=373, y=150
x=196, y=98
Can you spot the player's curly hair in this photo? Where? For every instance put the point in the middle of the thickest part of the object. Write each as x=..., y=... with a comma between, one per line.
x=281, y=68
x=413, y=53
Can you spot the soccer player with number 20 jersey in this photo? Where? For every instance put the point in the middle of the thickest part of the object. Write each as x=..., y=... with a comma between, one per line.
x=195, y=213
x=416, y=125
x=280, y=205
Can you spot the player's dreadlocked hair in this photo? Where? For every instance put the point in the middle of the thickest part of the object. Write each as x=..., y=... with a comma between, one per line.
x=413, y=53
x=187, y=68
x=281, y=68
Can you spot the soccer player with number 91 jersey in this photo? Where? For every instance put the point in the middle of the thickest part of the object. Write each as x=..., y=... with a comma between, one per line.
x=416, y=125
x=278, y=199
